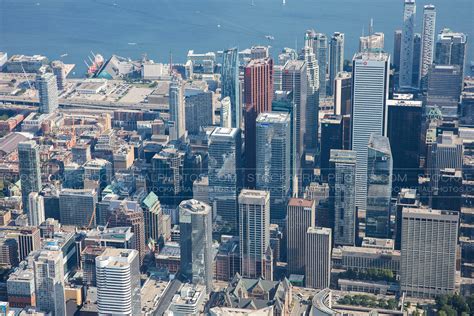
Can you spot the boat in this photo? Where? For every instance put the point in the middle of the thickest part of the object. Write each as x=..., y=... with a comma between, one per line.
x=64, y=55
x=218, y=26
x=269, y=37
x=95, y=65
x=132, y=43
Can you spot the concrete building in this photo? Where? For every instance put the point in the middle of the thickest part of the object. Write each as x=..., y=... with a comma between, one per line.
x=59, y=70
x=318, y=257
x=36, y=209
x=342, y=93
x=48, y=92
x=177, y=122
x=21, y=287
x=226, y=113
x=29, y=169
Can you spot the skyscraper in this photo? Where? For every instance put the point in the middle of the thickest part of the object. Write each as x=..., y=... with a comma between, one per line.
x=254, y=231
x=342, y=93
x=427, y=43
x=372, y=43
x=451, y=48
x=336, y=60
x=379, y=187
x=320, y=47
x=318, y=247
x=177, y=128
x=301, y=215
x=35, y=209
x=406, y=50
x=77, y=207
x=59, y=70
x=342, y=187
x=48, y=268
x=230, y=83
x=258, y=87
x=397, y=46
x=198, y=109
x=29, y=169
x=225, y=178
x=331, y=138
x=195, y=226
x=444, y=89
x=226, y=113
x=273, y=171
x=428, y=254
x=48, y=92
x=416, y=60
x=153, y=216
x=118, y=282
x=369, y=110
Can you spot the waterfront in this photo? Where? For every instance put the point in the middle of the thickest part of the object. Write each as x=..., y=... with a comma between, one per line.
x=158, y=27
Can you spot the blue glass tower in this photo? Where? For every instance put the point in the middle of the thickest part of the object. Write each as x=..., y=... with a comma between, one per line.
x=230, y=83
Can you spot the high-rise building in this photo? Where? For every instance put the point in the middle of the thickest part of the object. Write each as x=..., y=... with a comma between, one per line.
x=231, y=84
x=118, y=282
x=198, y=109
x=406, y=49
x=177, y=122
x=342, y=93
x=225, y=178
x=318, y=247
x=226, y=113
x=153, y=216
x=273, y=171
x=48, y=92
x=29, y=169
x=407, y=198
x=337, y=59
x=405, y=142
x=320, y=47
x=451, y=48
x=48, y=268
x=379, y=187
x=59, y=70
x=195, y=226
x=254, y=231
x=444, y=89
x=397, y=46
x=428, y=254
x=29, y=239
x=342, y=187
x=331, y=138
x=35, y=209
x=21, y=287
x=372, y=43
x=427, y=43
x=369, y=110
x=258, y=88
x=88, y=256
x=301, y=215
x=77, y=207
x=416, y=60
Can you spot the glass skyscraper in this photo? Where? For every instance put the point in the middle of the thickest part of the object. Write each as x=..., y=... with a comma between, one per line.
x=406, y=51
x=29, y=168
x=337, y=59
x=427, y=43
x=230, y=83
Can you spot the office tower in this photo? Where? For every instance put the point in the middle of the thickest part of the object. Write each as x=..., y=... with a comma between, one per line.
x=277, y=77
x=118, y=282
x=77, y=207
x=301, y=215
x=295, y=80
x=59, y=70
x=88, y=256
x=406, y=48
x=231, y=85
x=444, y=89
x=254, y=231
x=397, y=46
x=331, y=138
x=48, y=268
x=225, y=179
x=446, y=152
x=320, y=48
x=379, y=187
x=97, y=174
x=177, y=123
x=312, y=100
x=36, y=209
x=451, y=48
x=48, y=92
x=342, y=93
x=168, y=175
x=29, y=240
x=153, y=216
x=467, y=108
x=449, y=190
x=198, y=109
x=81, y=153
x=416, y=60
x=427, y=43
x=226, y=113
x=372, y=43
x=258, y=87
x=428, y=255
x=201, y=189
x=124, y=217
x=405, y=142
x=342, y=188
x=337, y=59
x=21, y=287
x=29, y=170
x=318, y=246
x=407, y=198
x=273, y=171
x=369, y=113
x=195, y=242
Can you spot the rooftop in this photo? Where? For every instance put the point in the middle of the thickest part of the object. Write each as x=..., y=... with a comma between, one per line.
x=300, y=202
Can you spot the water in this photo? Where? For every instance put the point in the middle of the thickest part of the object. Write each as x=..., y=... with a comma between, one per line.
x=158, y=27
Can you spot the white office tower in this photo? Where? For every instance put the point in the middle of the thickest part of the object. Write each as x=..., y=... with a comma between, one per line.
x=177, y=126
x=369, y=110
x=118, y=282
x=336, y=61
x=428, y=252
x=48, y=92
x=406, y=51
x=318, y=248
x=48, y=268
x=36, y=209
x=427, y=43
x=226, y=114
x=254, y=231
